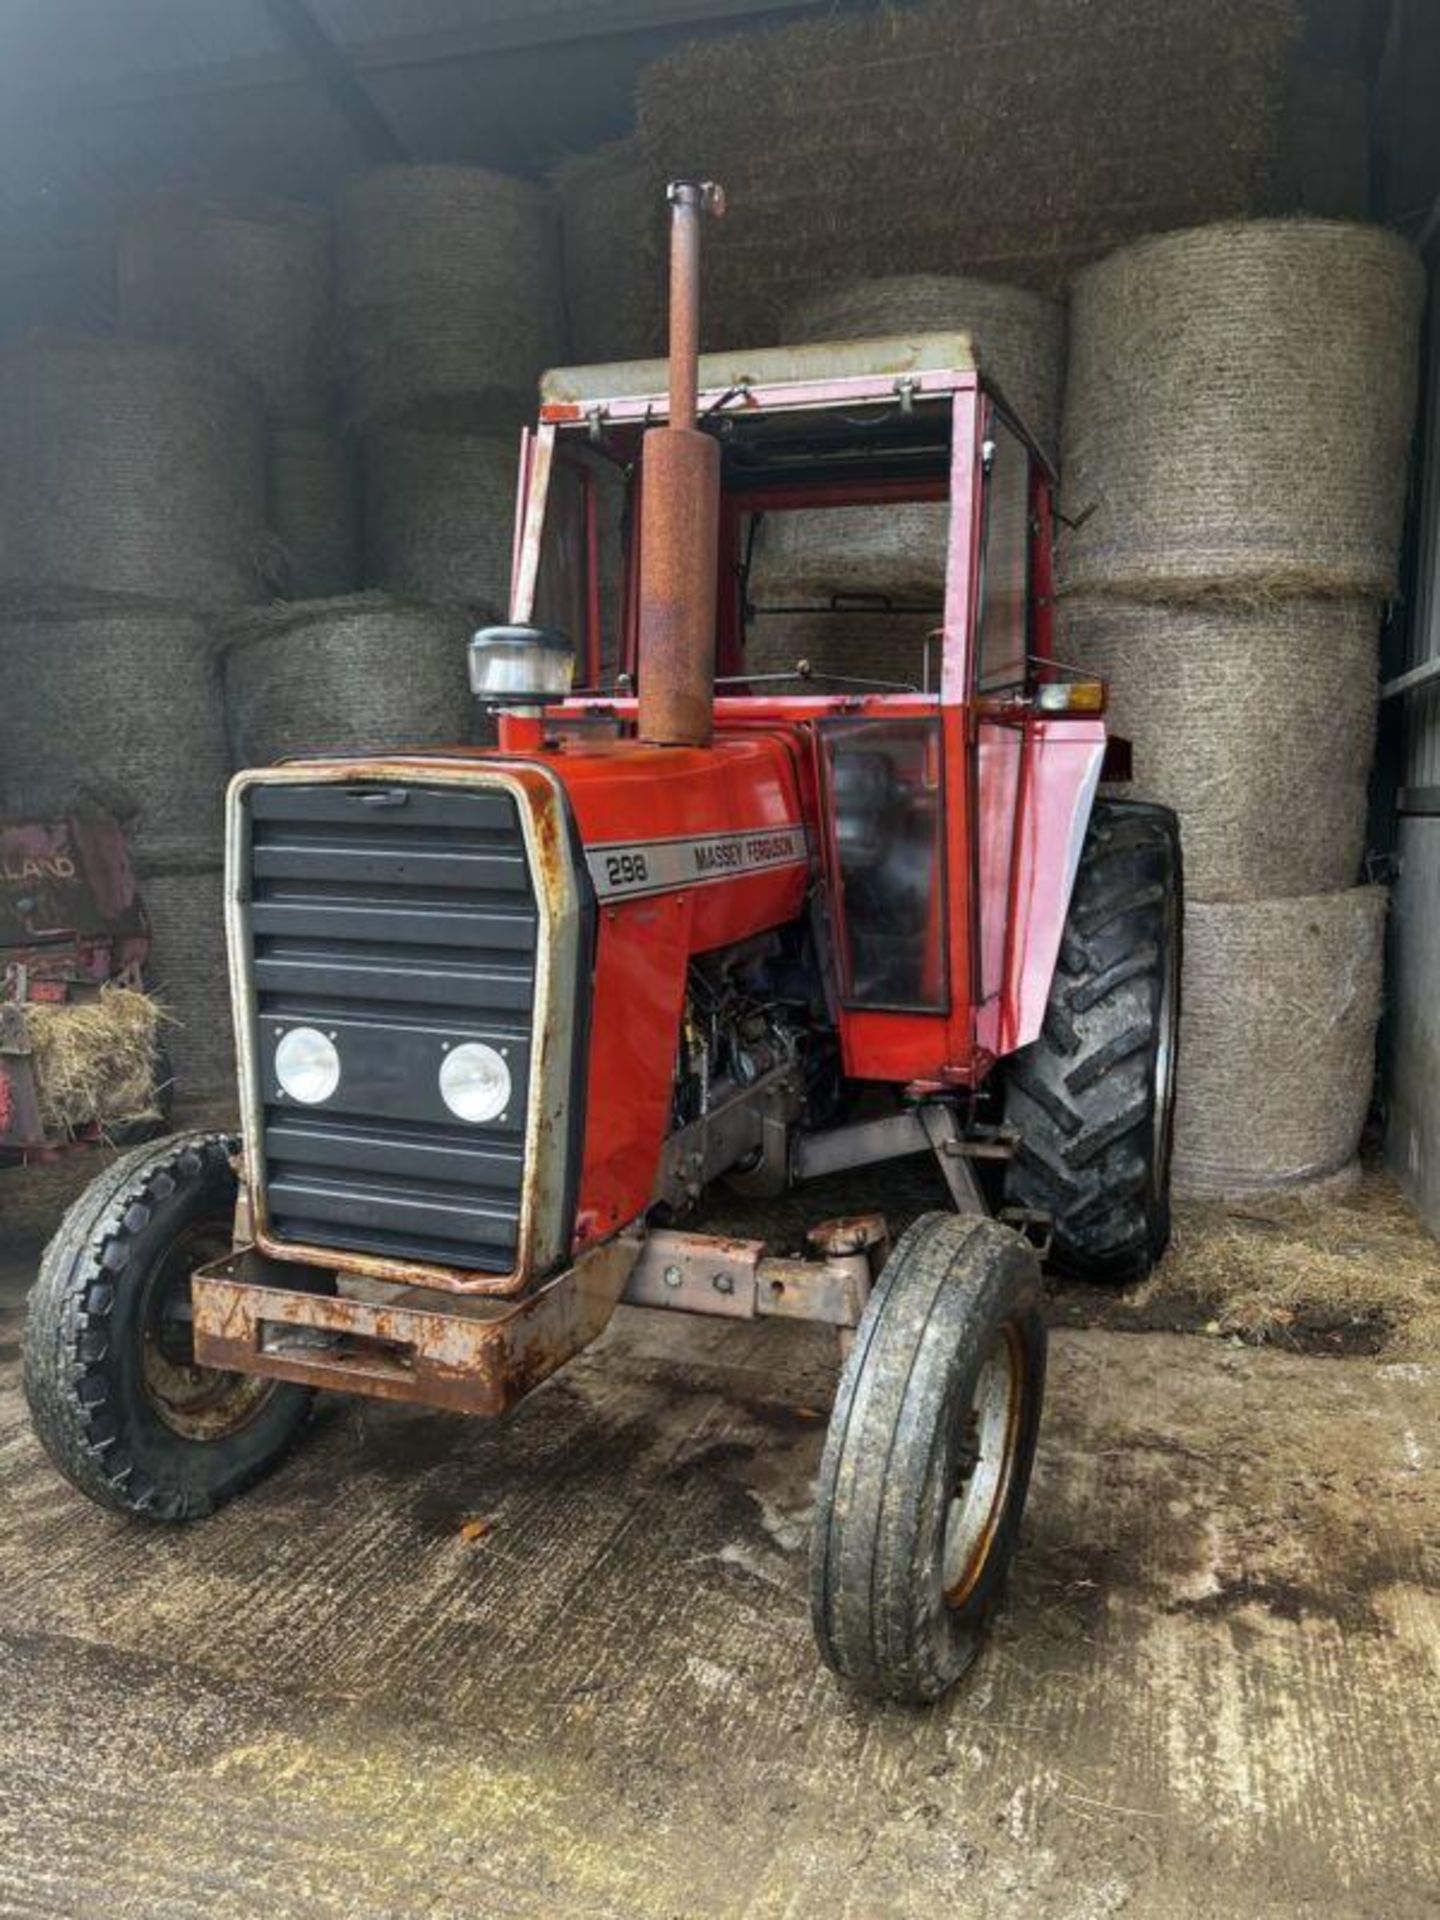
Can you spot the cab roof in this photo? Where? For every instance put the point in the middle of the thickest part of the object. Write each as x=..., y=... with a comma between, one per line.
x=926, y=364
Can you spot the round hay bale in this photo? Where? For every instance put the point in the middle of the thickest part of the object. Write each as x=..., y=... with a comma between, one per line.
x=314, y=512
x=249, y=279
x=439, y=510
x=126, y=705
x=361, y=674
x=130, y=468
x=1238, y=411
x=1254, y=722
x=1277, y=1039
x=188, y=973
x=855, y=643
x=900, y=551
x=448, y=282
x=892, y=552
x=612, y=220
x=1020, y=336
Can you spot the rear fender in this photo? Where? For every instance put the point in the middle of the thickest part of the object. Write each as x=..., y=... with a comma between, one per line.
x=1063, y=758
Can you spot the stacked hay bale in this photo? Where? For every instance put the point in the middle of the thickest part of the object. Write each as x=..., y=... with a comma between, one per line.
x=354, y=675
x=439, y=511
x=449, y=307
x=612, y=218
x=252, y=280
x=449, y=295
x=1237, y=420
x=131, y=506
x=890, y=562
x=1010, y=138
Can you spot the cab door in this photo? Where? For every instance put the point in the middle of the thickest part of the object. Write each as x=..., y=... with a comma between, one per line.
x=1001, y=681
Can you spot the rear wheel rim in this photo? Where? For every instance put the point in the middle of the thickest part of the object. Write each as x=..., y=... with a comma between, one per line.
x=989, y=1445
x=197, y=1403
x=1162, y=1089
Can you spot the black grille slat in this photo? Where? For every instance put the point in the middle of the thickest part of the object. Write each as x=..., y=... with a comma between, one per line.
x=402, y=921
x=429, y=867
x=421, y=983
x=290, y=1144
x=426, y=924
x=403, y=808
x=393, y=1209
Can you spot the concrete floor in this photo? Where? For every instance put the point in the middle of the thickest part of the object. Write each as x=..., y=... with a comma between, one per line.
x=1215, y=1689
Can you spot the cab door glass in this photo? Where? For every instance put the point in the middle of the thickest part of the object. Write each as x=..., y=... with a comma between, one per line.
x=1003, y=648
x=883, y=780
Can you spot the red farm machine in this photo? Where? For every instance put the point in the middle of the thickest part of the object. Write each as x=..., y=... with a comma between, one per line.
x=505, y=1014
x=73, y=928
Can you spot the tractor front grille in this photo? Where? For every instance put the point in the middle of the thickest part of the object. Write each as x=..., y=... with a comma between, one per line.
x=400, y=921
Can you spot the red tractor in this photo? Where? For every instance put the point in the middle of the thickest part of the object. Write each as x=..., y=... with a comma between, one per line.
x=504, y=1015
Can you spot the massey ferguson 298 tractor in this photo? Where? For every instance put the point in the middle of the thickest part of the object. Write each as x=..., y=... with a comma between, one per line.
x=504, y=1015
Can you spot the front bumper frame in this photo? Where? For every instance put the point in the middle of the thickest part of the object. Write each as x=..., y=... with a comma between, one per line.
x=480, y=1355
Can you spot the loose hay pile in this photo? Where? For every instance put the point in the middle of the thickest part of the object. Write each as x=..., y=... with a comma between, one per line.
x=1238, y=412
x=612, y=216
x=126, y=700
x=1254, y=722
x=249, y=279
x=360, y=674
x=95, y=1062
x=903, y=140
x=1019, y=336
x=1277, y=1039
x=314, y=512
x=1337, y=1271
x=448, y=295
x=438, y=516
x=130, y=469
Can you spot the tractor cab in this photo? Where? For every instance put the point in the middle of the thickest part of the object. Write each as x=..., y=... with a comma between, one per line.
x=944, y=784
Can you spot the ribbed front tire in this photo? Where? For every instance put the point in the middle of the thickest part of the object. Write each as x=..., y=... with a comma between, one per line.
x=927, y=1458
x=114, y=1393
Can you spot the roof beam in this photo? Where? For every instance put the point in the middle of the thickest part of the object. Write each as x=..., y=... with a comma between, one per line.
x=333, y=74
x=530, y=28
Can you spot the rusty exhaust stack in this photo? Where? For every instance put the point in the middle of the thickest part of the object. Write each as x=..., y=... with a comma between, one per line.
x=680, y=511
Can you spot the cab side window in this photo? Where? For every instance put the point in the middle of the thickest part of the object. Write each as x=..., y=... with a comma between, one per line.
x=1004, y=639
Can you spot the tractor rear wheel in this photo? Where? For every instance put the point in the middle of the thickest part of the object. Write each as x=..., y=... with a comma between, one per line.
x=110, y=1376
x=927, y=1458
x=1093, y=1099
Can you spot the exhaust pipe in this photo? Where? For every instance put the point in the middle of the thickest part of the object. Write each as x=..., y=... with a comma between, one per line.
x=680, y=511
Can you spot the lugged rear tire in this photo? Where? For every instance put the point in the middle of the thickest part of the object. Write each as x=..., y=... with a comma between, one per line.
x=1093, y=1098
x=115, y=1398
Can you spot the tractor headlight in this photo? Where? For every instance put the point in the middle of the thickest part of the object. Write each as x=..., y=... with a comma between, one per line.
x=307, y=1065
x=475, y=1082
x=520, y=666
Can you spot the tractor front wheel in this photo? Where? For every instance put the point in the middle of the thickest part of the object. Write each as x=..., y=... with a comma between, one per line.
x=1092, y=1101
x=927, y=1459
x=115, y=1395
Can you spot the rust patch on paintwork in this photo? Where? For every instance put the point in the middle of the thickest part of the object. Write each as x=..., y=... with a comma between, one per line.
x=398, y=1343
